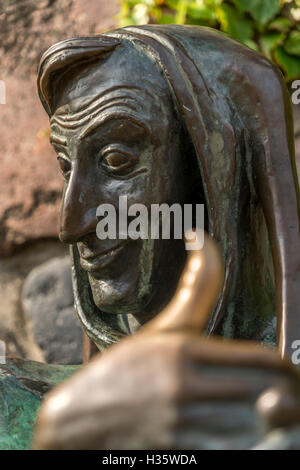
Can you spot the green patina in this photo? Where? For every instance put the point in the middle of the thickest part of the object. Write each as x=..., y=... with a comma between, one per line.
x=22, y=387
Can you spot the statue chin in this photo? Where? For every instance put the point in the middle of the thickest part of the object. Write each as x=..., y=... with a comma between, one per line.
x=115, y=297
x=116, y=289
x=126, y=286
x=123, y=304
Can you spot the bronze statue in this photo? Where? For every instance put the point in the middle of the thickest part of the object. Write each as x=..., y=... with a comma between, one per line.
x=166, y=114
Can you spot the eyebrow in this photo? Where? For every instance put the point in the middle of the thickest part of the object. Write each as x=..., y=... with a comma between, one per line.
x=101, y=120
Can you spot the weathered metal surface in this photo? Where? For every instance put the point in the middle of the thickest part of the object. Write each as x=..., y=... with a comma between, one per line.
x=166, y=114
x=223, y=137
x=22, y=387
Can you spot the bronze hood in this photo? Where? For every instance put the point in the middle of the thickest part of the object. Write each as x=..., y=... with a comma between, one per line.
x=235, y=107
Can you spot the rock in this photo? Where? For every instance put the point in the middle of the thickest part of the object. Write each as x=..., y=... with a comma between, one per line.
x=29, y=27
x=13, y=272
x=47, y=301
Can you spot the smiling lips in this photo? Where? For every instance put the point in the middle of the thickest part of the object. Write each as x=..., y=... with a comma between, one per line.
x=101, y=260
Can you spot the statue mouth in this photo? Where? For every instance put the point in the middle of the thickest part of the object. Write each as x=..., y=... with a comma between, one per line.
x=100, y=260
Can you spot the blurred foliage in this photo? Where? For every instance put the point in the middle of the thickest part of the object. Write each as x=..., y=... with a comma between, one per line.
x=271, y=27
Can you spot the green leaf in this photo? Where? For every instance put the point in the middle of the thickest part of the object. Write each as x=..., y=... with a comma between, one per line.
x=252, y=44
x=213, y=3
x=167, y=19
x=289, y=64
x=292, y=44
x=234, y=23
x=173, y=4
x=269, y=41
x=181, y=12
x=198, y=12
x=261, y=10
x=243, y=5
x=280, y=24
x=127, y=21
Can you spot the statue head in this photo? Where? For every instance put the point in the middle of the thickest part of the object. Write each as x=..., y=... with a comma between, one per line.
x=173, y=114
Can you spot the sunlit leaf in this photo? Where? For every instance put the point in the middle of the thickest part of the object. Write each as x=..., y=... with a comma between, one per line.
x=200, y=12
x=292, y=44
x=173, y=4
x=280, y=24
x=251, y=44
x=261, y=10
x=269, y=41
x=181, y=12
x=234, y=23
x=295, y=12
x=167, y=19
x=213, y=3
x=140, y=14
x=127, y=21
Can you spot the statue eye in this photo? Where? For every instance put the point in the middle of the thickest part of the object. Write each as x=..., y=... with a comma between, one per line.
x=117, y=161
x=65, y=166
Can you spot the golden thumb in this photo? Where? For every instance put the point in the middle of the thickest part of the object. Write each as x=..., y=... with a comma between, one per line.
x=197, y=292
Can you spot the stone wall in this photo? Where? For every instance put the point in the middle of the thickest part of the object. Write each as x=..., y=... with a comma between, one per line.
x=29, y=178
x=30, y=181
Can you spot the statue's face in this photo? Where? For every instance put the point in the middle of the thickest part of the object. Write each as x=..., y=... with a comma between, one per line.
x=116, y=134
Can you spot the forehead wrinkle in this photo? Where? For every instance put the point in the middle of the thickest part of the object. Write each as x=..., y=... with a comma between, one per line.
x=132, y=105
x=111, y=113
x=83, y=105
x=74, y=124
x=117, y=113
x=93, y=106
x=58, y=139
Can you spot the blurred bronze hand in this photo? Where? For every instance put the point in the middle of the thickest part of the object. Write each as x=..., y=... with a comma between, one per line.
x=168, y=387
